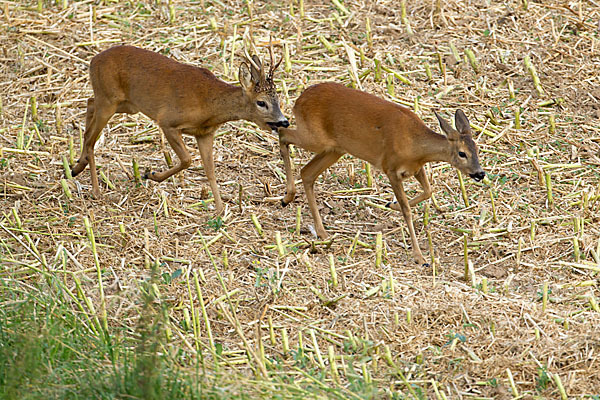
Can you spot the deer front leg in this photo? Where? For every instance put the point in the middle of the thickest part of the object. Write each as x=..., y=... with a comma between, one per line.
x=205, y=145
x=309, y=173
x=405, y=208
x=424, y=182
x=421, y=177
x=97, y=117
x=290, y=186
x=185, y=159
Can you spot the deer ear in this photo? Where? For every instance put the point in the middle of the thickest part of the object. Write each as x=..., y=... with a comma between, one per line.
x=462, y=122
x=245, y=77
x=450, y=132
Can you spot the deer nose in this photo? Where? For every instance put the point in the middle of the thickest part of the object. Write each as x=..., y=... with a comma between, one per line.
x=478, y=176
x=284, y=123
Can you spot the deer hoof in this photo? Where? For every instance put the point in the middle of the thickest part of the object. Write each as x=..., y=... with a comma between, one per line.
x=148, y=174
x=425, y=265
x=283, y=203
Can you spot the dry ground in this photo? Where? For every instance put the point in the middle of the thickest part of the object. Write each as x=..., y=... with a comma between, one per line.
x=535, y=223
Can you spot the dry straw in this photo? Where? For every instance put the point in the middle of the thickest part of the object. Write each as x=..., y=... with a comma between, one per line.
x=477, y=324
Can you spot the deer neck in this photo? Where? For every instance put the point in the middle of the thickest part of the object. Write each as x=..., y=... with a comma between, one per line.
x=230, y=105
x=436, y=147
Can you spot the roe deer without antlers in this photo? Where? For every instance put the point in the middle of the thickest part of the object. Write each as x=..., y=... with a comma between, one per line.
x=181, y=98
x=333, y=120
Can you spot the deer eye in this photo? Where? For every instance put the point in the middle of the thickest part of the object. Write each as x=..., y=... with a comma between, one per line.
x=462, y=154
x=261, y=103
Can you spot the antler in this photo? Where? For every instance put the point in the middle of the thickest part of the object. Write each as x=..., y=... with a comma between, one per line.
x=273, y=67
x=251, y=61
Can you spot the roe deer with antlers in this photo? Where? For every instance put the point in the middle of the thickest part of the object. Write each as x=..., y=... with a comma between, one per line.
x=333, y=120
x=181, y=98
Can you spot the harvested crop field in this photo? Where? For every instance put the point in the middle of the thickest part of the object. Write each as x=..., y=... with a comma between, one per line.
x=250, y=303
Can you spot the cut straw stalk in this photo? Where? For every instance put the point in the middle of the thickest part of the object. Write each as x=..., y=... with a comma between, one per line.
x=136, y=171
x=211, y=342
x=333, y=271
x=390, y=85
x=534, y=76
x=298, y=220
x=484, y=285
x=340, y=7
x=561, y=388
x=544, y=296
x=316, y=348
x=367, y=167
x=257, y=225
x=511, y=89
x=472, y=60
x=378, y=249
x=398, y=76
x=65, y=188
x=552, y=124
x=428, y=73
x=404, y=18
x=327, y=44
x=279, y=244
x=352, y=248
x=493, y=203
x=333, y=365
x=18, y=224
x=21, y=134
x=368, y=33
x=107, y=181
x=271, y=330
x=34, y=109
x=91, y=237
x=284, y=341
x=576, y=251
x=95, y=324
x=377, y=71
x=511, y=381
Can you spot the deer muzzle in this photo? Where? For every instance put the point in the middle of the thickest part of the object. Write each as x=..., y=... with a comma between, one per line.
x=478, y=176
x=284, y=123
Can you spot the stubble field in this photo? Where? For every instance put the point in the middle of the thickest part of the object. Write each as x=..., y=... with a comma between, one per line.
x=146, y=293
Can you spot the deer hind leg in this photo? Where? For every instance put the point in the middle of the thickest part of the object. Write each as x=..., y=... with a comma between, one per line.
x=82, y=162
x=185, y=159
x=284, y=149
x=405, y=208
x=205, y=145
x=309, y=173
x=97, y=117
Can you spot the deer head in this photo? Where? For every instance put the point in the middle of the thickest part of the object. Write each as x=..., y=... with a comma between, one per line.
x=262, y=101
x=463, y=150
